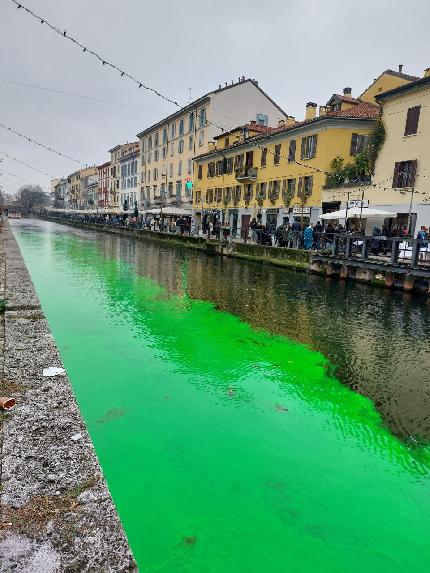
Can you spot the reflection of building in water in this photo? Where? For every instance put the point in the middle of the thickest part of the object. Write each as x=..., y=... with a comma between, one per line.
x=358, y=329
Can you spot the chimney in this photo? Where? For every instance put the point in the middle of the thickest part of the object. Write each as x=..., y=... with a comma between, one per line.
x=400, y=68
x=311, y=111
x=427, y=73
x=323, y=110
x=290, y=121
x=347, y=92
x=281, y=123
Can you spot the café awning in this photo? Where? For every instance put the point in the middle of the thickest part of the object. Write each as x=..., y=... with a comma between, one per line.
x=355, y=212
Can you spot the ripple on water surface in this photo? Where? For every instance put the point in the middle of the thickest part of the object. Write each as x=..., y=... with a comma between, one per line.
x=208, y=389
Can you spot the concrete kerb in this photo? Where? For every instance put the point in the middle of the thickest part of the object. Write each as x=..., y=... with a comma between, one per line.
x=55, y=506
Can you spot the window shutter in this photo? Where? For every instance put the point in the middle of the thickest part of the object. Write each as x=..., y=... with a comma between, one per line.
x=412, y=173
x=408, y=125
x=397, y=167
x=300, y=186
x=303, y=148
x=314, y=147
x=292, y=151
x=224, y=165
x=354, y=143
x=415, y=119
x=200, y=174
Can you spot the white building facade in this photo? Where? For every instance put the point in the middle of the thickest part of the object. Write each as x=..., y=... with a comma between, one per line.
x=128, y=177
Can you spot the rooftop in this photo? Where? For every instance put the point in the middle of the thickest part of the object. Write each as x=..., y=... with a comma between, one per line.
x=412, y=86
x=204, y=98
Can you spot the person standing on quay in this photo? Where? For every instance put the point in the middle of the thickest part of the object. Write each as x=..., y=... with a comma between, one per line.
x=308, y=237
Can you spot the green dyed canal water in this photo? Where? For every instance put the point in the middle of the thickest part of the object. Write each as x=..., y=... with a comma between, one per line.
x=220, y=399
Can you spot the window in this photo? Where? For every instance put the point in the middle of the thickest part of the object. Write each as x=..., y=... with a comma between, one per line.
x=178, y=189
x=190, y=166
x=148, y=175
x=150, y=142
x=156, y=155
x=209, y=196
x=144, y=145
x=173, y=131
x=263, y=190
x=190, y=143
x=229, y=165
x=226, y=142
x=211, y=169
x=292, y=151
x=263, y=157
x=164, y=135
x=149, y=157
x=202, y=117
x=163, y=152
x=170, y=188
x=155, y=175
x=412, y=120
x=200, y=172
x=171, y=170
x=262, y=119
x=156, y=141
x=359, y=143
x=291, y=187
x=309, y=147
x=181, y=128
x=191, y=122
x=404, y=173
x=180, y=168
x=238, y=161
x=181, y=146
x=227, y=195
x=304, y=189
x=172, y=148
x=249, y=159
x=218, y=195
x=219, y=167
x=201, y=138
x=277, y=156
x=198, y=196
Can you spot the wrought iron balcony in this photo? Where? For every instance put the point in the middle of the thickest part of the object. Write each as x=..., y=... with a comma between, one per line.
x=246, y=174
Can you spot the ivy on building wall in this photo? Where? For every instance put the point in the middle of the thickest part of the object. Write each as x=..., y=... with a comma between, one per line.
x=363, y=166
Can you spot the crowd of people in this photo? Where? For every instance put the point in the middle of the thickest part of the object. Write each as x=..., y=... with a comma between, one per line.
x=288, y=235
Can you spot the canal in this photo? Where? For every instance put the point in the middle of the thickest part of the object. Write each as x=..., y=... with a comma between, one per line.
x=247, y=418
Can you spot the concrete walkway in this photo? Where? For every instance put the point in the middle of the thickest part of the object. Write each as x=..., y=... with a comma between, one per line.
x=56, y=512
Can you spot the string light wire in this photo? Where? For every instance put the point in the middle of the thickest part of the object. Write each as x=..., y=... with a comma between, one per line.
x=7, y=128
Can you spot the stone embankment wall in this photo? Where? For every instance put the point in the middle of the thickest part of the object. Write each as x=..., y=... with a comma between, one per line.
x=289, y=258
x=56, y=512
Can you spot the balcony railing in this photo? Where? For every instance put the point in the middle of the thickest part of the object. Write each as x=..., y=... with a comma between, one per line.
x=246, y=173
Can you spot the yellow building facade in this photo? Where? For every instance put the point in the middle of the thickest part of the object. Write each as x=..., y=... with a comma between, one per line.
x=278, y=175
x=401, y=179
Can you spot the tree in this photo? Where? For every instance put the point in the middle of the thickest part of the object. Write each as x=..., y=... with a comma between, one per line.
x=31, y=197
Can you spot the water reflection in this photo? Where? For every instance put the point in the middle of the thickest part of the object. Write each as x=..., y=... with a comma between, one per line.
x=377, y=340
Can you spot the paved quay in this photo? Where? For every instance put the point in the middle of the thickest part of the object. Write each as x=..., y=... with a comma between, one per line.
x=56, y=512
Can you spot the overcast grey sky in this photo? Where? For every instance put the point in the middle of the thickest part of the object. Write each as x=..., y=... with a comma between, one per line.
x=298, y=51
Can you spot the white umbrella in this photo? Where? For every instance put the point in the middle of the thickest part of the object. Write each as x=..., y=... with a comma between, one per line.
x=365, y=213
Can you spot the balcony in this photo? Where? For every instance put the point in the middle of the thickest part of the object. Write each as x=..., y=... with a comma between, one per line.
x=246, y=174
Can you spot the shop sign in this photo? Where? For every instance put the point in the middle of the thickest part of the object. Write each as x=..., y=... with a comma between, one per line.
x=358, y=204
x=272, y=211
x=301, y=210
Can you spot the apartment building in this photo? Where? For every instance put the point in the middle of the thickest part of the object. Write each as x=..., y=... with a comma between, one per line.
x=168, y=147
x=116, y=155
x=104, y=184
x=128, y=165
x=278, y=175
x=401, y=180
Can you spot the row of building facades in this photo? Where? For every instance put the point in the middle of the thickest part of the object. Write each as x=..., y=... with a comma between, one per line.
x=234, y=155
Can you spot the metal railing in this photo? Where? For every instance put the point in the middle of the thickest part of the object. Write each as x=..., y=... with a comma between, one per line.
x=396, y=251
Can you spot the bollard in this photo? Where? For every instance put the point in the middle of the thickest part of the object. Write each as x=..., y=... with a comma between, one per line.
x=344, y=272
x=408, y=283
x=389, y=279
